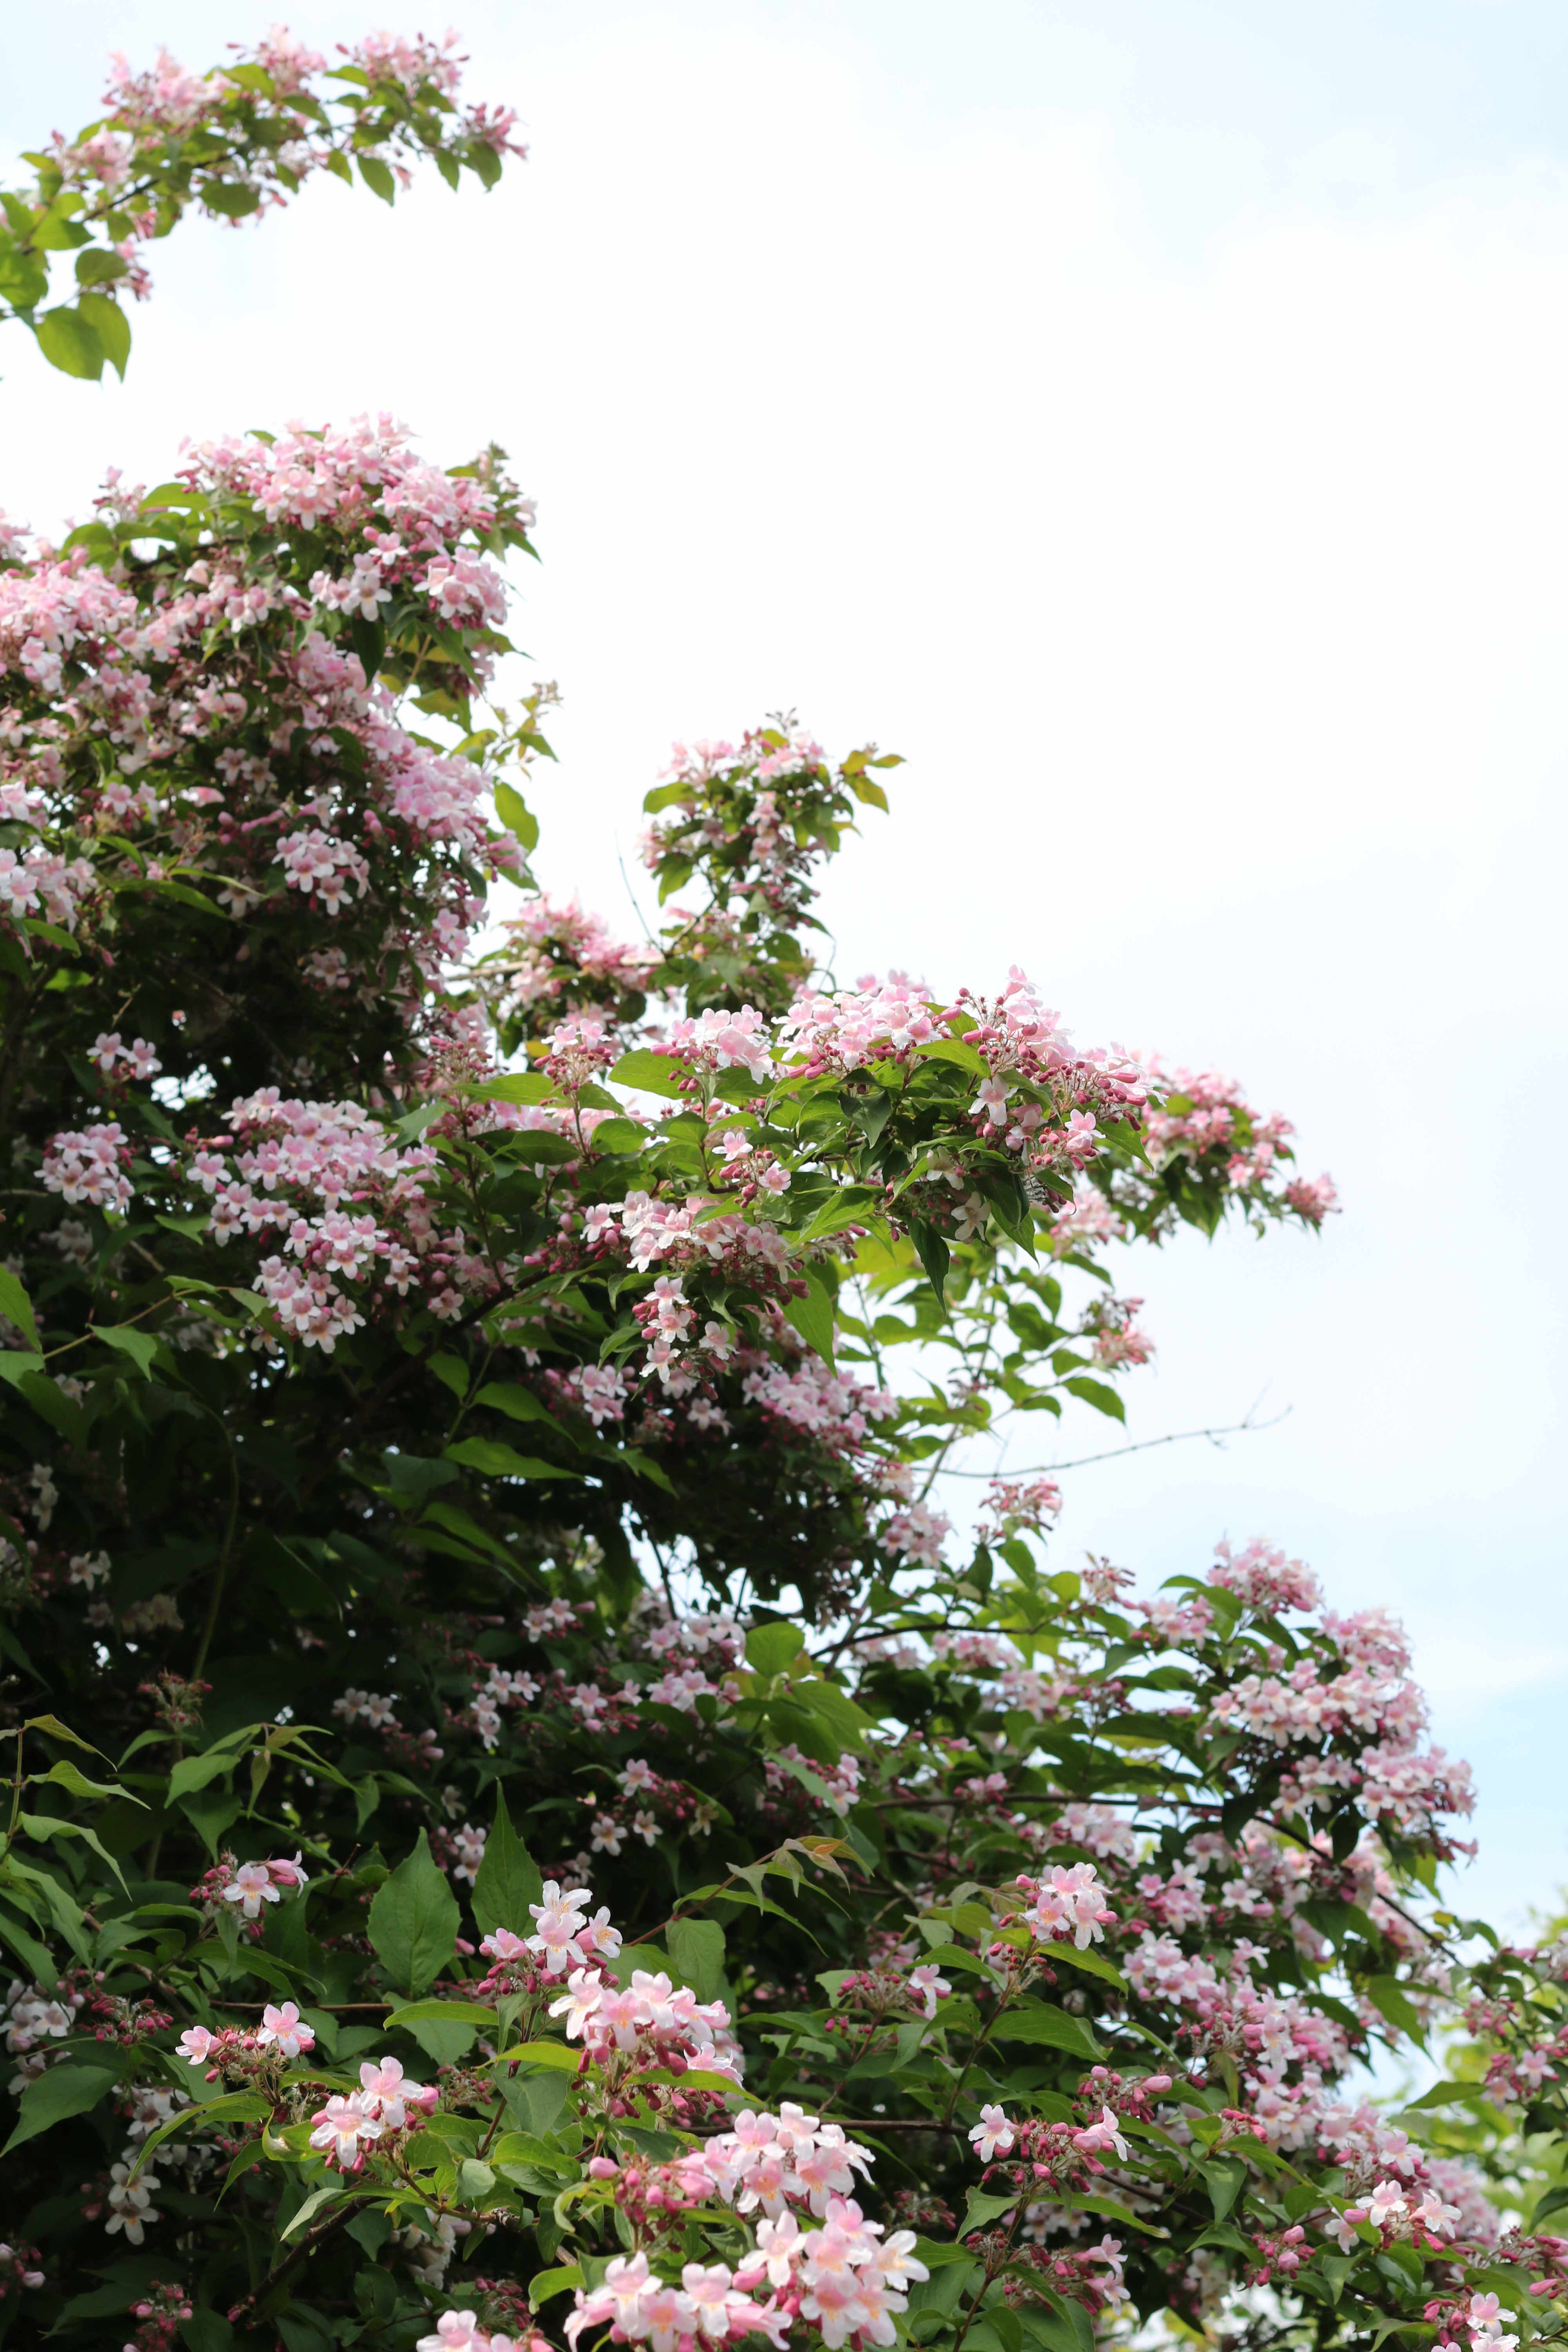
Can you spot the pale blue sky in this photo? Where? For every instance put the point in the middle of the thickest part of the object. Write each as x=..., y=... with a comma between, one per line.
x=1148, y=418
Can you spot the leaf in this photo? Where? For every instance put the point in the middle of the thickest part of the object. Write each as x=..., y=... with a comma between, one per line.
x=67, y=1775
x=238, y=2106
x=621, y=1136
x=546, y=2283
x=954, y=1049
x=377, y=177
x=1226, y=2177
x=517, y=1403
x=1093, y=1964
x=194, y=1771
x=517, y=816
x=1095, y=1393
x=17, y=1308
x=413, y=1920
x=1393, y=2002
x=1444, y=2094
x=813, y=1314
x=55, y=1729
x=655, y=1074
x=934, y=1253
x=982, y=2209
x=140, y=1346
x=441, y=2012
x=313, y=2205
x=1052, y=2028
x=771, y=1647
x=554, y=2054
x=515, y=1087
x=697, y=1948
x=507, y=1879
x=108, y=321
x=498, y=1461
x=62, y=2092
x=70, y=343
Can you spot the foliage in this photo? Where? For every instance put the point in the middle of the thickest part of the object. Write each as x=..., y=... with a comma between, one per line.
x=234, y=144
x=480, y=1400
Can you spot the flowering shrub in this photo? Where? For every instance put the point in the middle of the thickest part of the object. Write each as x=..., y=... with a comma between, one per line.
x=530, y=1822
x=234, y=144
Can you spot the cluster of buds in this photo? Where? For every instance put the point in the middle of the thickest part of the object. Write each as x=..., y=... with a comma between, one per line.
x=18, y=2268
x=126, y=2022
x=162, y=2312
x=176, y=1702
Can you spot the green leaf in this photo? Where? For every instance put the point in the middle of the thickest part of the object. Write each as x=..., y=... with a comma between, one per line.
x=954, y=1049
x=516, y=1086
x=313, y=2205
x=67, y=1775
x=62, y=2092
x=1053, y=2029
x=70, y=343
x=697, y=1948
x=934, y=1253
x=554, y=2054
x=233, y=198
x=194, y=1771
x=1095, y=1393
x=238, y=2106
x=498, y=1461
x=413, y=1920
x=983, y=2209
x=548, y=2284
x=55, y=1729
x=378, y=179
x=1393, y=2002
x=813, y=1314
x=105, y=316
x=654, y=1074
x=621, y=1136
x=140, y=1346
x=517, y=1403
x=771, y=1647
x=441, y=2012
x=507, y=1879
x=517, y=816
x=17, y=1308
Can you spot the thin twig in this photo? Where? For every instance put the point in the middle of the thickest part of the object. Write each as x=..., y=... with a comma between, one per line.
x=1143, y=1445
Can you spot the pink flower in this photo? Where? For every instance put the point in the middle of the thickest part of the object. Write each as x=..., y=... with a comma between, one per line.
x=285, y=2028
x=993, y=2136
x=250, y=1888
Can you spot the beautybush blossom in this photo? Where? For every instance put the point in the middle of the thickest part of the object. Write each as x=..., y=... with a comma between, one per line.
x=544, y=1811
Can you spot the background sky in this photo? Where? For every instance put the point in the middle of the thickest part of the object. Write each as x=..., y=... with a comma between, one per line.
x=1147, y=417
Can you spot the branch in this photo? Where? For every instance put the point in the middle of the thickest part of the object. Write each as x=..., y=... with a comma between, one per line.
x=1143, y=1445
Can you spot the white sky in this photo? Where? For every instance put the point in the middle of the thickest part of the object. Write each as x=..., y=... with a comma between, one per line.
x=1148, y=420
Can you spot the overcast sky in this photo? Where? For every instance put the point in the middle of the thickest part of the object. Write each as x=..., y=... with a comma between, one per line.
x=1148, y=419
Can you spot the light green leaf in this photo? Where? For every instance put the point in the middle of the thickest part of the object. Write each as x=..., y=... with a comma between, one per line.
x=70, y=343
x=653, y=1073
x=517, y=816
x=140, y=1346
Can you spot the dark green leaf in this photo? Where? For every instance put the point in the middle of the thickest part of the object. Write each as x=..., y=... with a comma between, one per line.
x=413, y=1920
